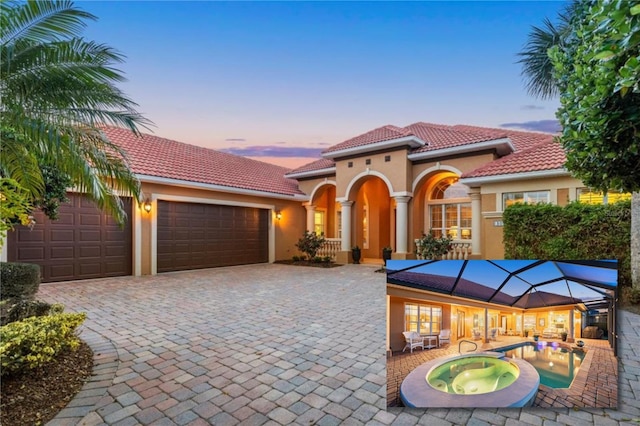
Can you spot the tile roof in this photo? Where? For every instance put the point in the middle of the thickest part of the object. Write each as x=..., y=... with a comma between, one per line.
x=547, y=155
x=156, y=156
x=440, y=136
x=380, y=134
x=323, y=163
x=521, y=139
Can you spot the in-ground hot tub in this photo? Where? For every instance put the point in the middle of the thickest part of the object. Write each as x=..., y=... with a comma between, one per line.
x=484, y=379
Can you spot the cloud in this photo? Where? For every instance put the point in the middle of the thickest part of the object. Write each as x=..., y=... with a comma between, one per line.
x=275, y=151
x=235, y=140
x=549, y=126
x=531, y=107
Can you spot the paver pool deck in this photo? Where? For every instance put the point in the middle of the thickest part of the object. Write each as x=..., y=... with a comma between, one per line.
x=266, y=344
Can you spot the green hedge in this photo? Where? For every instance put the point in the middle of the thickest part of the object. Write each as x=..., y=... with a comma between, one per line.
x=19, y=280
x=577, y=231
x=35, y=341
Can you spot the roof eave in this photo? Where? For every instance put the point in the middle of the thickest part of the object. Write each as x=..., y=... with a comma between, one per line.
x=411, y=141
x=312, y=173
x=536, y=174
x=219, y=188
x=503, y=146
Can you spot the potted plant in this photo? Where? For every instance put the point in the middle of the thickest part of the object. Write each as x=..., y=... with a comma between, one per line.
x=356, y=254
x=580, y=343
x=536, y=336
x=564, y=336
x=526, y=332
x=386, y=254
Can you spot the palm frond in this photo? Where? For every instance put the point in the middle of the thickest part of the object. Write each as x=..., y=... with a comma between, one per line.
x=42, y=21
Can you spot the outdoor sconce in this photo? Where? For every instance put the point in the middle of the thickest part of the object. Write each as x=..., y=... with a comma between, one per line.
x=147, y=206
x=278, y=215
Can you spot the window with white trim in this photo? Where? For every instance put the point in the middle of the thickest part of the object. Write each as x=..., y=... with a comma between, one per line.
x=529, y=197
x=319, y=222
x=425, y=319
x=449, y=210
x=590, y=196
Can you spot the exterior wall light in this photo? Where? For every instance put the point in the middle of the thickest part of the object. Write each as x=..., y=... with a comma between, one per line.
x=147, y=206
x=278, y=215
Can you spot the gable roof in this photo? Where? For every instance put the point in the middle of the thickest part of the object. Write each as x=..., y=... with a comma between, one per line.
x=150, y=155
x=544, y=156
x=442, y=139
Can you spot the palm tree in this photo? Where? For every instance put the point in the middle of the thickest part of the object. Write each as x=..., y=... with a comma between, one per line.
x=537, y=68
x=58, y=91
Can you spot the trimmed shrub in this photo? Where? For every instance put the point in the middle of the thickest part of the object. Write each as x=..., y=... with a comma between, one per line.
x=310, y=243
x=33, y=342
x=577, y=231
x=19, y=280
x=430, y=247
x=17, y=311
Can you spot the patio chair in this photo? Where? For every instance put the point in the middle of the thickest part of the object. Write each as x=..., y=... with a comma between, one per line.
x=412, y=339
x=477, y=335
x=493, y=333
x=444, y=336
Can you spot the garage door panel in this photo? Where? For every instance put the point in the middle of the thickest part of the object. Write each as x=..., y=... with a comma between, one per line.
x=207, y=235
x=74, y=246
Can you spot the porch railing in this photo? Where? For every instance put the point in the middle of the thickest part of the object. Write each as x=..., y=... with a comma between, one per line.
x=460, y=250
x=330, y=247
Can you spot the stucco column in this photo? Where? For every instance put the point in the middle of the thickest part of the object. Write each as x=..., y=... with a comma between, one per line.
x=476, y=220
x=402, y=222
x=311, y=211
x=346, y=225
x=570, y=338
x=486, y=325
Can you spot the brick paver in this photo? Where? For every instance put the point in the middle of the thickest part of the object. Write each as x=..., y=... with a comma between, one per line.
x=288, y=344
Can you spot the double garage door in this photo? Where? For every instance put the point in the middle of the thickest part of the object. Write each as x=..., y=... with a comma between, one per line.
x=194, y=236
x=87, y=243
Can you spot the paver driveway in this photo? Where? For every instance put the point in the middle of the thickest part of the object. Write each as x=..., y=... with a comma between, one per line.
x=252, y=343
x=267, y=344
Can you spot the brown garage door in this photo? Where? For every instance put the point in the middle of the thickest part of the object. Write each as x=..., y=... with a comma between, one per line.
x=83, y=243
x=194, y=236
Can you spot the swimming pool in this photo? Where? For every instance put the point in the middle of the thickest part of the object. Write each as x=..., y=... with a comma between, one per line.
x=556, y=365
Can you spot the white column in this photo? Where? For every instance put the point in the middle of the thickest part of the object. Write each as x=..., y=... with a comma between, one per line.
x=476, y=220
x=346, y=225
x=402, y=222
x=486, y=325
x=311, y=211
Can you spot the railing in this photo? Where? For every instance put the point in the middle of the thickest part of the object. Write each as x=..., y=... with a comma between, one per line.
x=467, y=341
x=330, y=247
x=460, y=250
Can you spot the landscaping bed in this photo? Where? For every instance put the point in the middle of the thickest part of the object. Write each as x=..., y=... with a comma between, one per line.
x=311, y=263
x=33, y=397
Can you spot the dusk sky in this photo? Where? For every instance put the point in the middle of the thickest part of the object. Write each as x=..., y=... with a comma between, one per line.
x=281, y=82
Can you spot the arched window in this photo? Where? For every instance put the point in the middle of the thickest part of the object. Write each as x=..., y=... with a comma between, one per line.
x=449, y=209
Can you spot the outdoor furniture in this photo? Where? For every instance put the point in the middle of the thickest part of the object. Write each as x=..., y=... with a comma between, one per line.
x=431, y=341
x=445, y=336
x=493, y=333
x=412, y=340
x=592, y=332
x=477, y=335
x=549, y=333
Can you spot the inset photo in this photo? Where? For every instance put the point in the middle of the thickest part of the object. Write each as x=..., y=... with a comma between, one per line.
x=502, y=333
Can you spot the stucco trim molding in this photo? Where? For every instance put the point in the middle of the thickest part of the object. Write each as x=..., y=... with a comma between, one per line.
x=503, y=146
x=412, y=141
x=437, y=168
x=537, y=174
x=219, y=188
x=312, y=173
x=320, y=185
x=367, y=172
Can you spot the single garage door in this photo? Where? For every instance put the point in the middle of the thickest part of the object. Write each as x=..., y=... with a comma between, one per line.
x=194, y=236
x=83, y=243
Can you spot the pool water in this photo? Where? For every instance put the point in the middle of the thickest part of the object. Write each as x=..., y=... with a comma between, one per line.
x=557, y=366
x=473, y=375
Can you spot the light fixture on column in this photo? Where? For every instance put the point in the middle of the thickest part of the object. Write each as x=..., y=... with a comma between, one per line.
x=146, y=205
x=278, y=214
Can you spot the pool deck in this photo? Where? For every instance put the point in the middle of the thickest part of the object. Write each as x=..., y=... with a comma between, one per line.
x=596, y=384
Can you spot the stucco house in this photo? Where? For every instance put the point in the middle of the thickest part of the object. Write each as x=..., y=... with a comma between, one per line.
x=386, y=187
